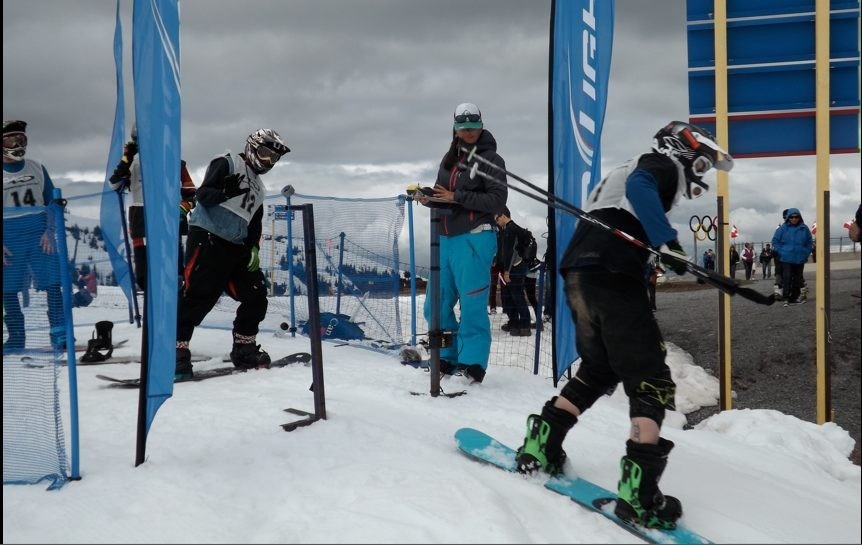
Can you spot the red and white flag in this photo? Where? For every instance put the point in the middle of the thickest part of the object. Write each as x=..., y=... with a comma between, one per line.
x=814, y=228
x=734, y=232
x=848, y=223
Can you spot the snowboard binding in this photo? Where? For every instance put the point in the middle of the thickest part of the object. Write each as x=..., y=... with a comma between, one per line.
x=100, y=347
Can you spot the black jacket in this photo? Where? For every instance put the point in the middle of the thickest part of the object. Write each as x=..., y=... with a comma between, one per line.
x=511, y=238
x=477, y=199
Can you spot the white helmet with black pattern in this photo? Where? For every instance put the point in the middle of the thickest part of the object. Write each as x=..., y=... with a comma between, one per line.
x=263, y=148
x=695, y=148
x=14, y=139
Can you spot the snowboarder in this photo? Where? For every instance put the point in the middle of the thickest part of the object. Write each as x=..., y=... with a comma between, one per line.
x=28, y=239
x=222, y=249
x=617, y=335
x=127, y=175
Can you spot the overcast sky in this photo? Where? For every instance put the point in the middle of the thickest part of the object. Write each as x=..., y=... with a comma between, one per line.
x=363, y=92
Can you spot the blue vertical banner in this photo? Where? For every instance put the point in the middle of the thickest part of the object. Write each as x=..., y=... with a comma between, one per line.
x=109, y=210
x=156, y=56
x=582, y=34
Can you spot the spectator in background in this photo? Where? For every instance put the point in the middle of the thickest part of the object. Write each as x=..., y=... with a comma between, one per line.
x=734, y=260
x=853, y=231
x=793, y=242
x=766, y=261
x=512, y=239
x=28, y=239
x=748, y=259
x=709, y=260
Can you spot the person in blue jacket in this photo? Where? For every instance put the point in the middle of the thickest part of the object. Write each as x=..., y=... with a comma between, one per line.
x=28, y=239
x=468, y=242
x=793, y=242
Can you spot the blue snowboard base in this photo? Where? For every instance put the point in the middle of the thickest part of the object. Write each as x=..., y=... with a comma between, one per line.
x=484, y=448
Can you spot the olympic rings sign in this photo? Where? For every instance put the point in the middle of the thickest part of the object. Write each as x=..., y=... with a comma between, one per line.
x=703, y=227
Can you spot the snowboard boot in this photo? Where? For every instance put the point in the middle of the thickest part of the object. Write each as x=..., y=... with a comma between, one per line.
x=543, y=444
x=474, y=373
x=249, y=356
x=639, y=499
x=101, y=341
x=184, y=367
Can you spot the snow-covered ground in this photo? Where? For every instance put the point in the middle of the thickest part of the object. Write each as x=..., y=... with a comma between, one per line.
x=384, y=468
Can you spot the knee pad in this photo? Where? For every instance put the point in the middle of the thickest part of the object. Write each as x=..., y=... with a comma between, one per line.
x=652, y=396
x=583, y=395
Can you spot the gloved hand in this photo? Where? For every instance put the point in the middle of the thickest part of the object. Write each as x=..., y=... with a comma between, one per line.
x=674, y=256
x=254, y=261
x=120, y=178
x=185, y=208
x=130, y=150
x=231, y=186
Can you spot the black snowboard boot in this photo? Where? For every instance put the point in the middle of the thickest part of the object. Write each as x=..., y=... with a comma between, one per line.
x=249, y=356
x=101, y=346
x=639, y=498
x=543, y=445
x=184, y=367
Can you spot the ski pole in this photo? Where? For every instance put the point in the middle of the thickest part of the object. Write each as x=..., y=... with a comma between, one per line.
x=723, y=283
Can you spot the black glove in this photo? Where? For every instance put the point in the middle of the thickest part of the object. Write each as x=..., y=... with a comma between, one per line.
x=130, y=150
x=231, y=186
x=674, y=256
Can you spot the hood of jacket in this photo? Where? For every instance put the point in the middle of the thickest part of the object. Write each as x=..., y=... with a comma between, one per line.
x=790, y=212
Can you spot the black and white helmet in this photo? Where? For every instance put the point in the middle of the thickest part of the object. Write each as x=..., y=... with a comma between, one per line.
x=263, y=148
x=14, y=139
x=696, y=150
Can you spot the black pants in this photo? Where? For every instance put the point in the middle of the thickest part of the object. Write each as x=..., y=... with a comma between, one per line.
x=515, y=298
x=137, y=233
x=213, y=266
x=618, y=340
x=792, y=280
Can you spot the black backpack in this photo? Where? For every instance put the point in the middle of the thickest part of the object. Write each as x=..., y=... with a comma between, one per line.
x=528, y=248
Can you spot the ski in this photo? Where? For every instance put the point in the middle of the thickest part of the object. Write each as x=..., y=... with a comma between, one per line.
x=299, y=357
x=484, y=448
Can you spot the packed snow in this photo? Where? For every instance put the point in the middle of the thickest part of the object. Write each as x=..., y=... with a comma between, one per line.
x=384, y=468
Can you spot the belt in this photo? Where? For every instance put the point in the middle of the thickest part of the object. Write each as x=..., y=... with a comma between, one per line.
x=483, y=227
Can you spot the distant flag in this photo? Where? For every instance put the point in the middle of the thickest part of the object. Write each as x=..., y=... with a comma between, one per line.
x=734, y=232
x=848, y=223
x=814, y=228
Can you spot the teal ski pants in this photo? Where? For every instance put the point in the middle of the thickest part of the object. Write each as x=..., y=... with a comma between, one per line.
x=465, y=264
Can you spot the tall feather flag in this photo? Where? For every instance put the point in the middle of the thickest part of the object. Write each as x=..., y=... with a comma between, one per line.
x=580, y=61
x=734, y=232
x=156, y=55
x=109, y=209
x=814, y=228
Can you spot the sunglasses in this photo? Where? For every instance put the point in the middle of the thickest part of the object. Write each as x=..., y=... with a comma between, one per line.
x=463, y=118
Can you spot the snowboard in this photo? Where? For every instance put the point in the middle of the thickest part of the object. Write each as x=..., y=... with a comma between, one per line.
x=78, y=348
x=299, y=357
x=484, y=448
x=136, y=358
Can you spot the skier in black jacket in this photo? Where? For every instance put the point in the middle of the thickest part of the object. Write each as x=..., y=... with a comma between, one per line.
x=222, y=249
x=512, y=238
x=617, y=335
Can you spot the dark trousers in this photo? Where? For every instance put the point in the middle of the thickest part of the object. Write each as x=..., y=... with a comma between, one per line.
x=748, y=266
x=530, y=289
x=618, y=340
x=213, y=266
x=515, y=298
x=792, y=280
x=137, y=232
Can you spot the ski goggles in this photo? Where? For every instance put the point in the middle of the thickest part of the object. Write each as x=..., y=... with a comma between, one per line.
x=464, y=118
x=267, y=155
x=701, y=165
x=15, y=140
